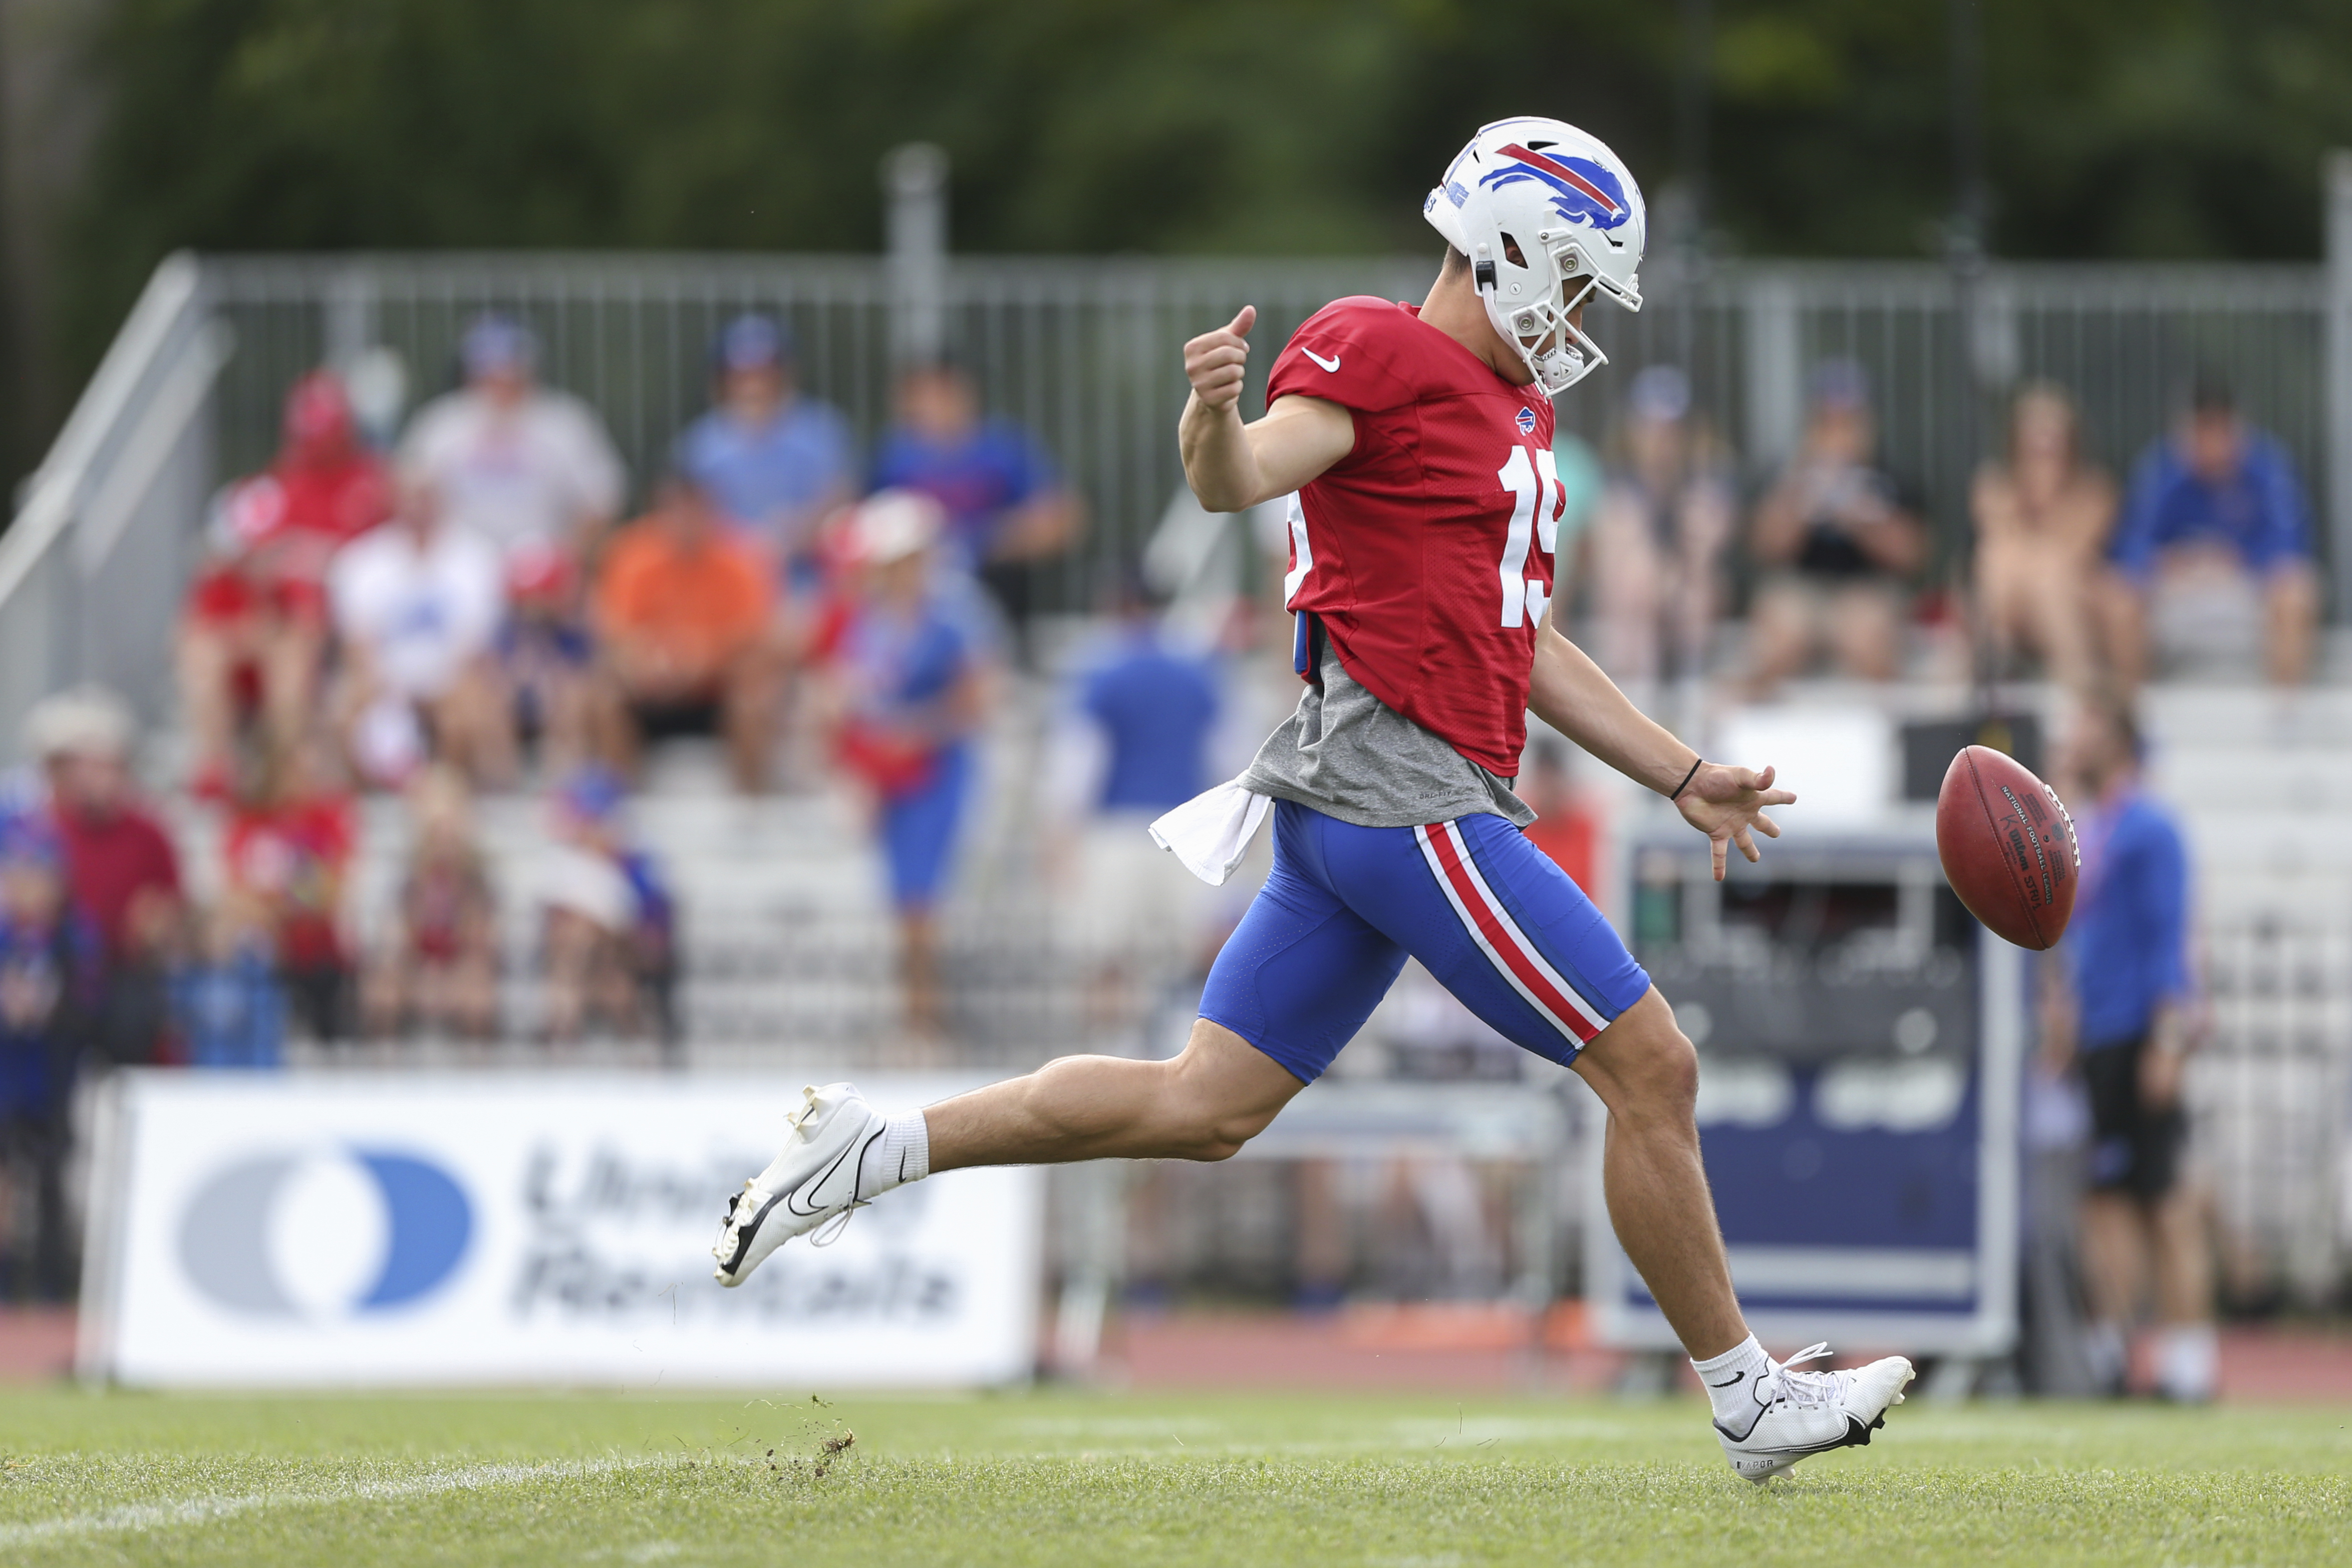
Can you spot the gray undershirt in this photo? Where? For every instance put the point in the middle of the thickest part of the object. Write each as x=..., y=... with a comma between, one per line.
x=1348, y=755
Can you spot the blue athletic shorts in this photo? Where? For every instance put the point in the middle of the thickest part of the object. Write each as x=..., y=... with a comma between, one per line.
x=919, y=830
x=1488, y=913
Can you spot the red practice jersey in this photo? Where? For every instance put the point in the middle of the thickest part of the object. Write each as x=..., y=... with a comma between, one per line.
x=1426, y=552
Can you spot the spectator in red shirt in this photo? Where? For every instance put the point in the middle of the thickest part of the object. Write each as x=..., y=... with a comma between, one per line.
x=122, y=871
x=287, y=850
x=256, y=617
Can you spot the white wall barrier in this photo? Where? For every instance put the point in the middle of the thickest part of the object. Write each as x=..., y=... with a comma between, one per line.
x=356, y=1228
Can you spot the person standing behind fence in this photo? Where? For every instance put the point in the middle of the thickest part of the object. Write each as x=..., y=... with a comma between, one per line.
x=1836, y=542
x=1006, y=505
x=776, y=463
x=907, y=652
x=1652, y=555
x=2215, y=535
x=2043, y=518
x=512, y=460
x=2122, y=1015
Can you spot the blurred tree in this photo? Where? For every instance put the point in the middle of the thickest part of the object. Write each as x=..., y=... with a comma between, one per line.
x=2142, y=128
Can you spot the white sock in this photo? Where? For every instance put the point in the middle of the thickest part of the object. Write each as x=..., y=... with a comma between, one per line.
x=903, y=1154
x=2107, y=1355
x=2189, y=1362
x=1731, y=1377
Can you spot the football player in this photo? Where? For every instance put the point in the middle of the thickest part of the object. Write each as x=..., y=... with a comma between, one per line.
x=1416, y=445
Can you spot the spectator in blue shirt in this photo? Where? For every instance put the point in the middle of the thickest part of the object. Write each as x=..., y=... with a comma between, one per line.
x=1154, y=704
x=1134, y=742
x=776, y=463
x=2216, y=505
x=2123, y=1015
x=1006, y=505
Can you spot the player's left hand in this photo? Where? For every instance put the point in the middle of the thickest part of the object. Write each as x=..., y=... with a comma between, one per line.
x=1727, y=804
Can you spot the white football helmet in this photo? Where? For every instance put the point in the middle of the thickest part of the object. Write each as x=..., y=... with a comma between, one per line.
x=1568, y=209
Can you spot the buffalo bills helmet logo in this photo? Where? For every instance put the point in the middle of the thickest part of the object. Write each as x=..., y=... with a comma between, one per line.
x=1582, y=189
x=1527, y=422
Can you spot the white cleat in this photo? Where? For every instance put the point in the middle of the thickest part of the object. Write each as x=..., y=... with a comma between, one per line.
x=813, y=1180
x=1799, y=1413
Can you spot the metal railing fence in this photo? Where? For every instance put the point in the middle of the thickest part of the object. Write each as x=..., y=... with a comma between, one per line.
x=1087, y=352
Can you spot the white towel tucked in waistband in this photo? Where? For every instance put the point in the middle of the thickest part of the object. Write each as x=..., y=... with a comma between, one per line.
x=1211, y=832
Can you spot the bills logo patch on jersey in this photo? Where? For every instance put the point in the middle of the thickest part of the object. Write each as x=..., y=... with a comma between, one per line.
x=1526, y=421
x=1582, y=189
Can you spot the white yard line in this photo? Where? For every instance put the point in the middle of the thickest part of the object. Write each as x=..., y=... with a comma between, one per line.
x=208, y=1510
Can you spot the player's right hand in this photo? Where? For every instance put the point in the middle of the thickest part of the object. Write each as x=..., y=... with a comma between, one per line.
x=1215, y=362
x=1727, y=805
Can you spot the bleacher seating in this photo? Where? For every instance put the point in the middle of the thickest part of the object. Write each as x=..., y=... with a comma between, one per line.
x=2260, y=782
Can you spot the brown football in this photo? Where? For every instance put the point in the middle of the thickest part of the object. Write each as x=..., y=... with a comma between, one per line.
x=2008, y=847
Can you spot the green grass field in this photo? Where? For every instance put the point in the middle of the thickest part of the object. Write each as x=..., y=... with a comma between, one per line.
x=1190, y=1481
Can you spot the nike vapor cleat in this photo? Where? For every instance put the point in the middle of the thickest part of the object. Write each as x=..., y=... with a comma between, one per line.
x=813, y=1180
x=1799, y=1413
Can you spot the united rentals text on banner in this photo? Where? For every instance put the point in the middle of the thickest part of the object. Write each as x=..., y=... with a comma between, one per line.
x=351, y=1228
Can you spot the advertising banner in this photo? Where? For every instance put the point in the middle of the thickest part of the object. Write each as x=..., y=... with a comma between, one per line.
x=552, y=1228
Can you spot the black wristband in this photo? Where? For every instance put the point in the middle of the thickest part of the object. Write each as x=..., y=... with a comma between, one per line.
x=1697, y=763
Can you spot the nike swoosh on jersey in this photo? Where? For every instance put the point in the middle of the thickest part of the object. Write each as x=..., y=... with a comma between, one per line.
x=1331, y=364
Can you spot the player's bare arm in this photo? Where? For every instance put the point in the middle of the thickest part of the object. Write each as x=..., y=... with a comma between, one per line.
x=1232, y=466
x=1568, y=692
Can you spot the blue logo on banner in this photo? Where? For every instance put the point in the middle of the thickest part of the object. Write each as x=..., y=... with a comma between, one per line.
x=224, y=1236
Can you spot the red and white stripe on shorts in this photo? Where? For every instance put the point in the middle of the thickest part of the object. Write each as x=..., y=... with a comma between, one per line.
x=1513, y=955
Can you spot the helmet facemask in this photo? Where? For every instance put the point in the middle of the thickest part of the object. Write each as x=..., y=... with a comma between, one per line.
x=1534, y=306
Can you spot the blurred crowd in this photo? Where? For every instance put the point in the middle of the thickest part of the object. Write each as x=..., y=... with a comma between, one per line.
x=466, y=609
x=2202, y=558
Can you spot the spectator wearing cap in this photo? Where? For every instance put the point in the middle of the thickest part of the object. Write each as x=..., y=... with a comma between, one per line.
x=255, y=628
x=1837, y=542
x=50, y=979
x=1652, y=557
x=1004, y=502
x=121, y=871
x=512, y=460
x=2215, y=532
x=908, y=655
x=2043, y=518
x=417, y=604
x=776, y=463
x=682, y=610
x=610, y=936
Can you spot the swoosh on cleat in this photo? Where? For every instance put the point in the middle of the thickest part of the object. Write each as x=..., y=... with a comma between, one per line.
x=744, y=1234
x=795, y=1211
